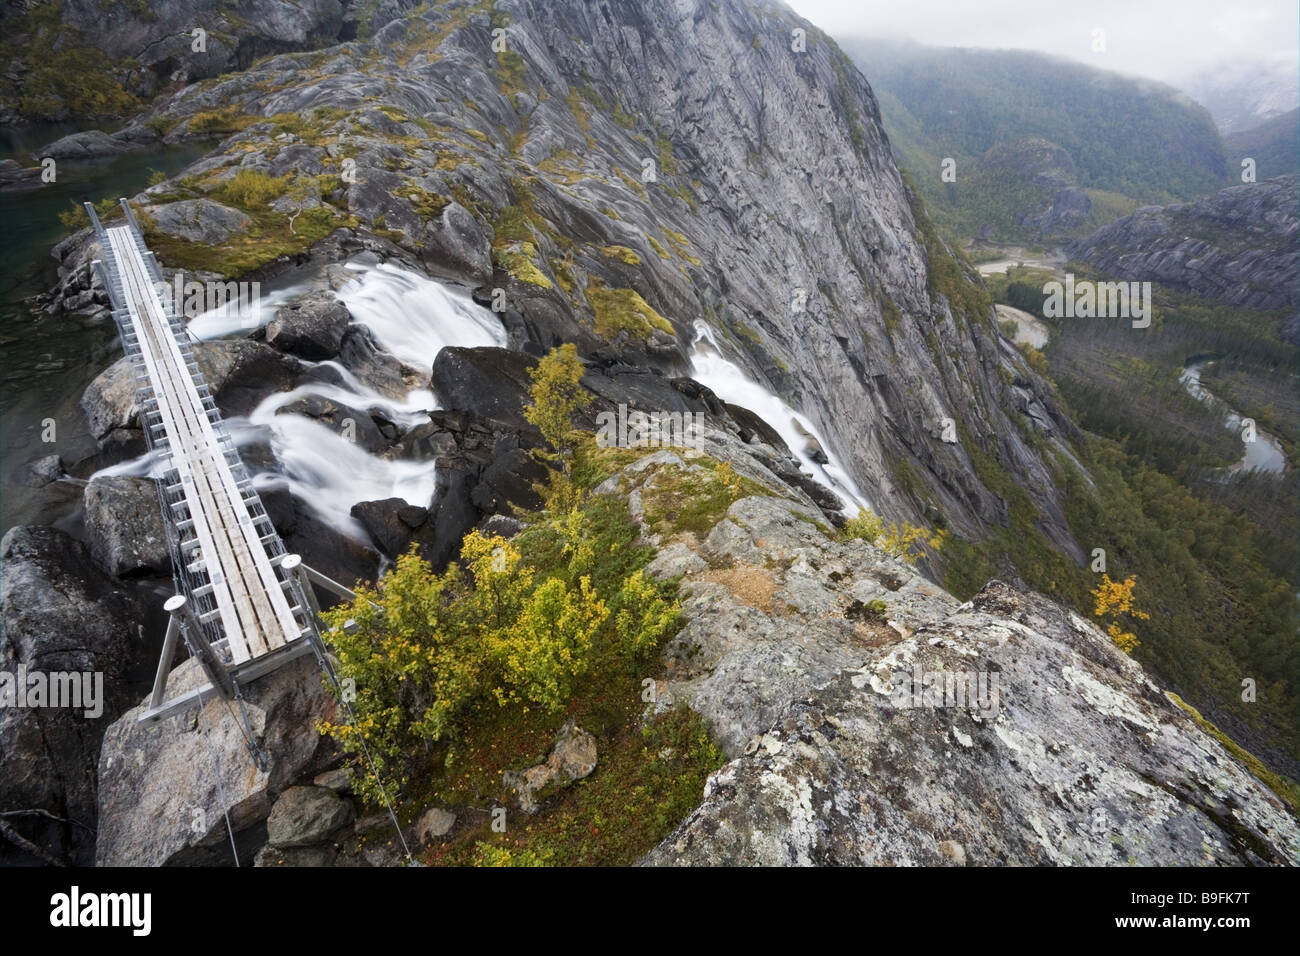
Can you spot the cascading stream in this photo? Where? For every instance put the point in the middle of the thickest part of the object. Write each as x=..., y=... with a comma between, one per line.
x=412, y=318
x=730, y=383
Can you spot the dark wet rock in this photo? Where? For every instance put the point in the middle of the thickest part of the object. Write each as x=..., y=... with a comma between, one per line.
x=482, y=467
x=380, y=370
x=311, y=327
x=241, y=372
x=322, y=546
x=503, y=526
x=60, y=614
x=491, y=382
x=391, y=523
x=356, y=426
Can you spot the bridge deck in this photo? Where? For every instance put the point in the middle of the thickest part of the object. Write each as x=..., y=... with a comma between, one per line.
x=225, y=545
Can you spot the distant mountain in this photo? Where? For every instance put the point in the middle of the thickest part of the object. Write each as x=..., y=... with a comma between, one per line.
x=1109, y=142
x=1273, y=145
x=1241, y=95
x=1238, y=245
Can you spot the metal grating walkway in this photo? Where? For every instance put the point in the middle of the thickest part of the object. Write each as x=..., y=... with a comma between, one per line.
x=229, y=560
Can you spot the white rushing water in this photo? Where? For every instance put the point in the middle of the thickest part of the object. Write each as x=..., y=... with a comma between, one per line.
x=731, y=384
x=412, y=318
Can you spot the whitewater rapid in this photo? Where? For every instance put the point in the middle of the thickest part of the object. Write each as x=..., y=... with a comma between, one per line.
x=412, y=318
x=730, y=383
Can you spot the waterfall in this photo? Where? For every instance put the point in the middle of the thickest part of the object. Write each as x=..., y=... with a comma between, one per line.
x=731, y=384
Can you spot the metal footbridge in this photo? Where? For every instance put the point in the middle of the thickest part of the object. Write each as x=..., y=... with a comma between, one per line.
x=244, y=606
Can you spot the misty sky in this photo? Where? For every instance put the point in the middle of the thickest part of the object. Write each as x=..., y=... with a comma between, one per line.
x=1163, y=39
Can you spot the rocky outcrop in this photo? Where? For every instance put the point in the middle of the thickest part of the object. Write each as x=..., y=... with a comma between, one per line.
x=1238, y=245
x=815, y=663
x=166, y=788
x=61, y=615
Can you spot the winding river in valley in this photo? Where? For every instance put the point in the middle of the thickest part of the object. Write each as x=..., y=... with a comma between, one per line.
x=1263, y=454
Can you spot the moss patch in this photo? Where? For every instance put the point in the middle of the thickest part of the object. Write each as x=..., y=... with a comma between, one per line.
x=623, y=310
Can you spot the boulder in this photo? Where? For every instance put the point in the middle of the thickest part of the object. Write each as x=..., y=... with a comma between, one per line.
x=362, y=355
x=305, y=816
x=124, y=525
x=433, y=824
x=199, y=220
x=391, y=523
x=60, y=613
x=340, y=418
x=572, y=758
x=165, y=788
x=311, y=326
x=112, y=417
x=90, y=144
x=321, y=545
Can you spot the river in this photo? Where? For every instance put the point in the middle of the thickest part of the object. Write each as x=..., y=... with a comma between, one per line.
x=1263, y=454
x=47, y=362
x=1030, y=330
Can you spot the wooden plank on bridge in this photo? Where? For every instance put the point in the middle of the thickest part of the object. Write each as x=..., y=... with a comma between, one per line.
x=254, y=612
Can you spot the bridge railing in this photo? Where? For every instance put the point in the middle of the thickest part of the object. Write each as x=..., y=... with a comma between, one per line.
x=189, y=574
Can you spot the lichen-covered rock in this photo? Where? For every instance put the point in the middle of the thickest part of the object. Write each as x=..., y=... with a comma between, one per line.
x=572, y=758
x=306, y=816
x=199, y=220
x=815, y=663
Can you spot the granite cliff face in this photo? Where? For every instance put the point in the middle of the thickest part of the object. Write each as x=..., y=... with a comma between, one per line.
x=681, y=152
x=1238, y=245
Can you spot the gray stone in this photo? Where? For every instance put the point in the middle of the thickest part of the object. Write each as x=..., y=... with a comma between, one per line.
x=572, y=758
x=434, y=823
x=311, y=326
x=124, y=525
x=336, y=780
x=199, y=220
x=304, y=816
x=153, y=777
